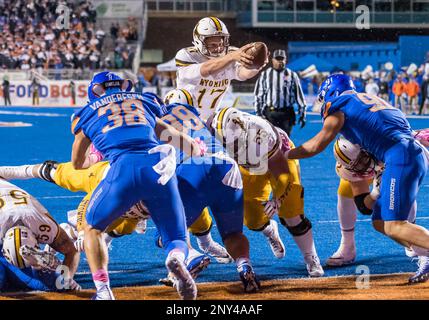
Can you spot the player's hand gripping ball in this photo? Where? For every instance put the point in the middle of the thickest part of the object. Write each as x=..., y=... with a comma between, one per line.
x=259, y=52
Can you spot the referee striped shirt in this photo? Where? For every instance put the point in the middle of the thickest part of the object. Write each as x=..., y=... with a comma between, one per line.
x=280, y=90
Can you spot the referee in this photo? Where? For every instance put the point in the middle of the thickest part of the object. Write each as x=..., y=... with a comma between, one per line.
x=277, y=91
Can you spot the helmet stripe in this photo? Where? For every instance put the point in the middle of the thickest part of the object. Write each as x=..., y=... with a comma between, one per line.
x=17, y=238
x=219, y=121
x=188, y=97
x=341, y=154
x=217, y=23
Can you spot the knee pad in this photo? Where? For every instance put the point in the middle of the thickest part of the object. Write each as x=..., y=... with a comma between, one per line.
x=360, y=204
x=300, y=229
x=45, y=170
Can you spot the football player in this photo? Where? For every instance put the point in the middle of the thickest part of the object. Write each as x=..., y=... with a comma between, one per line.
x=86, y=180
x=213, y=181
x=123, y=126
x=25, y=225
x=357, y=170
x=384, y=132
x=258, y=147
x=201, y=228
x=207, y=68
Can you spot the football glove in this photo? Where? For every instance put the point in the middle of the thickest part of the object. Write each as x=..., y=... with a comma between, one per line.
x=271, y=207
x=166, y=168
x=79, y=243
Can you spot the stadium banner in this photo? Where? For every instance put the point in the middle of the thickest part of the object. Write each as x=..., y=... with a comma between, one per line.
x=56, y=93
x=118, y=8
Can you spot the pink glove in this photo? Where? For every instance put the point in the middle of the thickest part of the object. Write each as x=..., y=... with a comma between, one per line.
x=202, y=145
x=423, y=135
x=94, y=155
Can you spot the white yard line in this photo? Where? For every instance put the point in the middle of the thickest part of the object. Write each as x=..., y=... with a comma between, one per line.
x=34, y=114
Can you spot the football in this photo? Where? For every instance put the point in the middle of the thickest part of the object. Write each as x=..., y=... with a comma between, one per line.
x=259, y=52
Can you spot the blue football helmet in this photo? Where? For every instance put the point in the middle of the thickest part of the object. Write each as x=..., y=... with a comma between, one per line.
x=331, y=88
x=104, y=81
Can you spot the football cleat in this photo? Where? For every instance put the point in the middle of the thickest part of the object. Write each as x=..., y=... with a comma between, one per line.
x=105, y=293
x=422, y=274
x=410, y=253
x=194, y=264
x=248, y=278
x=197, y=263
x=276, y=243
x=217, y=251
x=314, y=267
x=182, y=279
x=342, y=257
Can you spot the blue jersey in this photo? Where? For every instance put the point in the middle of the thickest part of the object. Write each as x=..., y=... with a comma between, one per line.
x=119, y=122
x=185, y=119
x=370, y=122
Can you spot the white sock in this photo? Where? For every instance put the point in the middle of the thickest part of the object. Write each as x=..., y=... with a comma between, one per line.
x=420, y=251
x=19, y=172
x=305, y=242
x=241, y=260
x=179, y=255
x=192, y=253
x=100, y=284
x=268, y=230
x=52, y=173
x=346, y=210
x=205, y=240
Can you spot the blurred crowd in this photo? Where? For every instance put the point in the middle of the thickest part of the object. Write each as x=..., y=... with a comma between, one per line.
x=406, y=89
x=150, y=77
x=122, y=35
x=31, y=39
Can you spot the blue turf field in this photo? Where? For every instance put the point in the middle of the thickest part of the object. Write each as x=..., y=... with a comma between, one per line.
x=136, y=261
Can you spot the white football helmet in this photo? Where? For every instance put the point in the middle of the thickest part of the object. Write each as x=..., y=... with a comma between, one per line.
x=353, y=158
x=181, y=96
x=14, y=239
x=231, y=126
x=210, y=27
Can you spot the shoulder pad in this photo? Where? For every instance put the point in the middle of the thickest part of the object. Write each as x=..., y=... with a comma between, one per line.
x=335, y=105
x=185, y=57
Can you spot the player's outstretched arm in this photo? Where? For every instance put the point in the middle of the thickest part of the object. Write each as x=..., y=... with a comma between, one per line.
x=245, y=74
x=279, y=169
x=64, y=245
x=213, y=66
x=80, y=147
x=331, y=127
x=177, y=139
